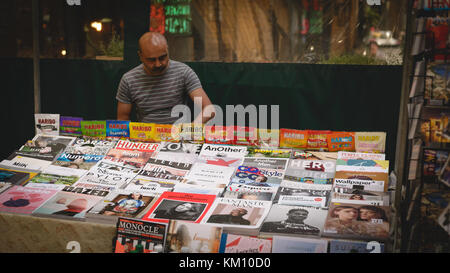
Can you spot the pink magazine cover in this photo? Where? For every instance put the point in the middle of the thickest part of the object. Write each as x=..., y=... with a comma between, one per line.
x=24, y=200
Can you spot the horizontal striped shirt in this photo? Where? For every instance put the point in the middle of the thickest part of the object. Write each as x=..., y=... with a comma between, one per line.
x=154, y=96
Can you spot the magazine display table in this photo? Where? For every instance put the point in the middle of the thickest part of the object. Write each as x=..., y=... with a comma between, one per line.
x=29, y=234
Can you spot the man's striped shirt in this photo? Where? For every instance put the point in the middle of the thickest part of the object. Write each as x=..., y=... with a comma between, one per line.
x=154, y=96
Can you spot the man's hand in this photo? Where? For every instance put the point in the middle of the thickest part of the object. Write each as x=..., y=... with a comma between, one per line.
x=204, y=116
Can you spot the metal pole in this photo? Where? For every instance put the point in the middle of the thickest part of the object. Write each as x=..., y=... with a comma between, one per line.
x=36, y=56
x=402, y=130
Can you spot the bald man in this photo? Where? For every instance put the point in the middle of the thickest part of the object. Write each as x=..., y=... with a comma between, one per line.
x=158, y=84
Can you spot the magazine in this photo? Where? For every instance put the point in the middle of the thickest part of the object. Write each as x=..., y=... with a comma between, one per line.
x=71, y=203
x=208, y=175
x=268, y=152
x=367, y=181
x=260, y=172
x=238, y=216
x=188, y=237
x=180, y=206
x=242, y=191
x=444, y=219
x=45, y=147
x=286, y=244
x=346, y=246
x=375, y=198
x=90, y=146
x=16, y=176
x=46, y=124
x=301, y=194
x=120, y=203
x=78, y=161
x=143, y=183
x=165, y=170
x=294, y=221
x=363, y=156
x=106, y=178
x=138, y=236
x=24, y=200
x=232, y=243
x=356, y=221
x=310, y=171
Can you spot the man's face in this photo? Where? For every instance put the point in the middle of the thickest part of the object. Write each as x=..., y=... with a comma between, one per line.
x=297, y=215
x=238, y=212
x=155, y=59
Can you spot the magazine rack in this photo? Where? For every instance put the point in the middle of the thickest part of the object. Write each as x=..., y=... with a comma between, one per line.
x=425, y=137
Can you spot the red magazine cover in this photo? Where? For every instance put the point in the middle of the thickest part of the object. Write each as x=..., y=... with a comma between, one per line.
x=180, y=206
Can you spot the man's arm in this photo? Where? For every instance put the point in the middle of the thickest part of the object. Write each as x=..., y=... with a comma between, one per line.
x=123, y=110
x=201, y=99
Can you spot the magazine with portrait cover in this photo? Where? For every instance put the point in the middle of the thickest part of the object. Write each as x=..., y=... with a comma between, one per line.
x=238, y=216
x=138, y=236
x=242, y=191
x=180, y=206
x=90, y=146
x=72, y=202
x=286, y=244
x=188, y=237
x=70, y=126
x=260, y=172
x=233, y=243
x=296, y=221
x=208, y=175
x=24, y=200
x=46, y=124
x=356, y=221
x=45, y=147
x=310, y=171
x=270, y=152
x=347, y=246
x=16, y=176
x=302, y=194
x=366, y=181
x=120, y=203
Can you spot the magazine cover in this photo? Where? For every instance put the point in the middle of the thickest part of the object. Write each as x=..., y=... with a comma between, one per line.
x=51, y=180
x=138, y=236
x=25, y=162
x=301, y=194
x=361, y=165
x=367, y=181
x=24, y=200
x=208, y=175
x=268, y=152
x=93, y=128
x=242, y=191
x=181, y=187
x=345, y=246
x=363, y=156
x=285, y=244
x=127, y=158
x=444, y=175
x=70, y=126
x=179, y=152
x=71, y=202
x=117, y=128
x=224, y=152
x=47, y=124
x=106, y=178
x=180, y=206
x=238, y=216
x=16, y=176
x=294, y=221
x=188, y=237
x=310, y=171
x=444, y=219
x=77, y=161
x=370, y=142
x=165, y=170
x=233, y=243
x=45, y=147
x=143, y=183
x=120, y=203
x=355, y=221
x=375, y=198
x=261, y=172
x=90, y=146
x=433, y=161
x=4, y=186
